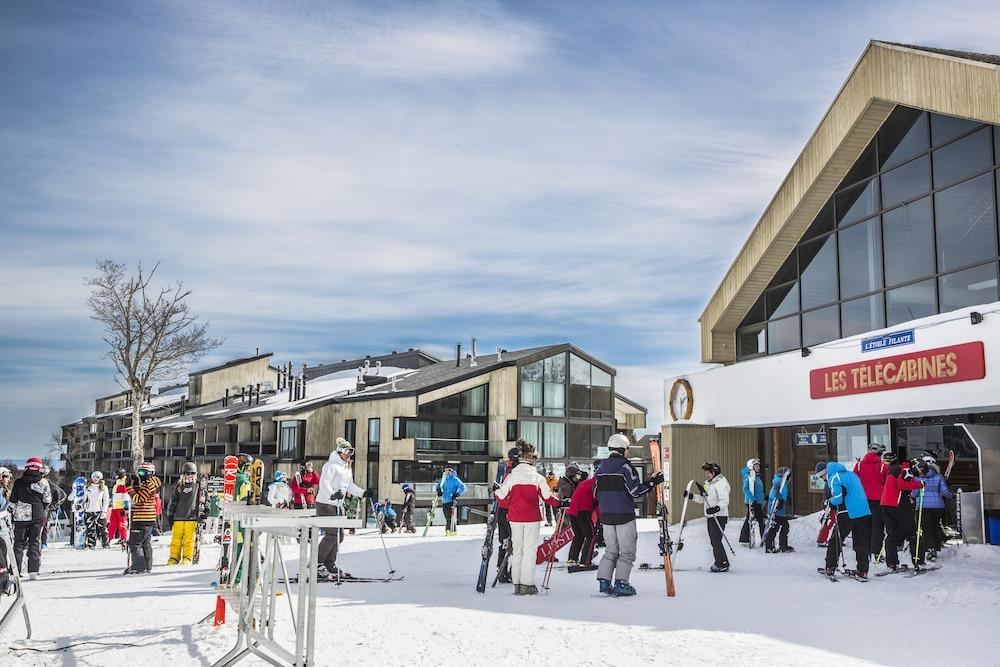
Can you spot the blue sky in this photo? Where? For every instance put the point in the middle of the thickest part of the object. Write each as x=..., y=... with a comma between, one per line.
x=334, y=179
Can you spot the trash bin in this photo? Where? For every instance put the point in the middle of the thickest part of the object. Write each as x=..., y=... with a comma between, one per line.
x=993, y=530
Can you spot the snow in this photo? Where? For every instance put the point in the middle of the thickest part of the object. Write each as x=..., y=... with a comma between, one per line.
x=769, y=609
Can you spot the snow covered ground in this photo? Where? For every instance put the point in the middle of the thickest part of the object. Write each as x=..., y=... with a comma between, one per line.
x=770, y=609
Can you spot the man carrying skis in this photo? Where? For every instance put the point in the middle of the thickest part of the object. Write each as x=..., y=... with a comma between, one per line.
x=777, y=498
x=30, y=498
x=335, y=483
x=616, y=489
x=304, y=485
x=409, y=504
x=872, y=471
x=448, y=490
x=184, y=512
x=847, y=497
x=144, y=491
x=715, y=498
x=753, y=497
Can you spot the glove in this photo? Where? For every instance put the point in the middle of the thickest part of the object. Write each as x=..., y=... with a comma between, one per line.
x=685, y=494
x=455, y=497
x=564, y=503
x=656, y=478
x=440, y=493
x=712, y=510
x=368, y=493
x=781, y=503
x=133, y=480
x=494, y=487
x=337, y=495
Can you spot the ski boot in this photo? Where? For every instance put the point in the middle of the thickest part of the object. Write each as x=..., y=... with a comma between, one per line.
x=604, y=586
x=571, y=563
x=529, y=590
x=717, y=568
x=622, y=589
x=786, y=550
x=519, y=589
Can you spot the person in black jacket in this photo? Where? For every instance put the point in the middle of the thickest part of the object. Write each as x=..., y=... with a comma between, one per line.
x=409, y=502
x=30, y=498
x=569, y=481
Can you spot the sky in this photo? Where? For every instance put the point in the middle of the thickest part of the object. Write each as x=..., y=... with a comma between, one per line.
x=334, y=179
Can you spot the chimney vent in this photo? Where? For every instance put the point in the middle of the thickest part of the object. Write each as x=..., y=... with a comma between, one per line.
x=499, y=354
x=472, y=363
x=458, y=355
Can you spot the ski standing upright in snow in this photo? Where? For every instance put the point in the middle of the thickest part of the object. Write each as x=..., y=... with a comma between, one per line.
x=79, y=519
x=666, y=548
x=491, y=526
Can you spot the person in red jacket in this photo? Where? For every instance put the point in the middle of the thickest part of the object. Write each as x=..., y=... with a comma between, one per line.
x=304, y=485
x=524, y=487
x=898, y=512
x=872, y=471
x=581, y=513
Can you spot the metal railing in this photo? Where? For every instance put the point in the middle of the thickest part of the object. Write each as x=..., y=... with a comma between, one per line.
x=458, y=446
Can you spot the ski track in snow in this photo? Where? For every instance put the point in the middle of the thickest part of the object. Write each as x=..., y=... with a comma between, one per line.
x=769, y=609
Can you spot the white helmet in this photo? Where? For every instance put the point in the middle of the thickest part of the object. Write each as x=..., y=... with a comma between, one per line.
x=96, y=476
x=618, y=441
x=4, y=471
x=752, y=462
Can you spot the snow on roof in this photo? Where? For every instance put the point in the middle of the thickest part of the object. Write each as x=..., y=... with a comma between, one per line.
x=321, y=389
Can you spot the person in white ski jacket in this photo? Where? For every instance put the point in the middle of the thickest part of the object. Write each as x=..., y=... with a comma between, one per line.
x=96, y=501
x=715, y=496
x=335, y=483
x=279, y=494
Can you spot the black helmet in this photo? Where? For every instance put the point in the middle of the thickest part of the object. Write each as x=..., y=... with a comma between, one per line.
x=514, y=454
x=714, y=468
x=571, y=469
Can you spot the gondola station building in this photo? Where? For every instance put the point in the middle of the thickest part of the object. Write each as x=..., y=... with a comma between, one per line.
x=863, y=308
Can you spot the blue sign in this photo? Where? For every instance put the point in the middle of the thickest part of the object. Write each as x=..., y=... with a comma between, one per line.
x=888, y=340
x=810, y=438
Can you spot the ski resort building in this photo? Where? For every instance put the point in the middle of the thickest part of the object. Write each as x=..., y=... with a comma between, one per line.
x=863, y=307
x=407, y=414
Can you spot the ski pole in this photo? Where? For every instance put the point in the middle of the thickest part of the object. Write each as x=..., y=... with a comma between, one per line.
x=552, y=556
x=381, y=537
x=920, y=524
x=840, y=547
x=723, y=532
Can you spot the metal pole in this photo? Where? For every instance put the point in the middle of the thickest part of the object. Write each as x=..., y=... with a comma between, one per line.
x=378, y=527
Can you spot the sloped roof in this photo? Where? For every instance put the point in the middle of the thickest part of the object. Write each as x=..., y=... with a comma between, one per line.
x=952, y=82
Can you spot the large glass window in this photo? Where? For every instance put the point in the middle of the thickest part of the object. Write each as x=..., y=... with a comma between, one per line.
x=292, y=437
x=543, y=387
x=910, y=231
x=909, y=242
x=966, y=229
x=860, y=258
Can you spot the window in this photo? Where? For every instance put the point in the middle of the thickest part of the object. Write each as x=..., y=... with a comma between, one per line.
x=374, y=440
x=860, y=259
x=909, y=242
x=291, y=440
x=351, y=430
x=549, y=438
x=255, y=432
x=420, y=472
x=511, y=430
x=970, y=287
x=584, y=440
x=590, y=394
x=966, y=229
x=907, y=233
x=397, y=428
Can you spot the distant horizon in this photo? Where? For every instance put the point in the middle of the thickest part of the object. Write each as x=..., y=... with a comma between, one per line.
x=340, y=179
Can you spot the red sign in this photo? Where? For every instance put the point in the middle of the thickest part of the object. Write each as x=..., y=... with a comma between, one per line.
x=955, y=363
x=229, y=465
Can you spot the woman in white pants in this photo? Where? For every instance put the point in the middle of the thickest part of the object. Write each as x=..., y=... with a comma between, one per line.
x=522, y=489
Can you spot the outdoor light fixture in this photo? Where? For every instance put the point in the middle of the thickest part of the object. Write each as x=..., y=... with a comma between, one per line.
x=976, y=317
x=806, y=352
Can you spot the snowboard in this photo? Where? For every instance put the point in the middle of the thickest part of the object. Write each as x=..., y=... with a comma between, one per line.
x=202, y=511
x=79, y=520
x=663, y=519
x=550, y=546
x=491, y=526
x=256, y=473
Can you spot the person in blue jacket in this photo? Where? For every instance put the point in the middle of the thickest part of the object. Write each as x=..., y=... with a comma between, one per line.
x=777, y=498
x=388, y=515
x=935, y=492
x=448, y=490
x=753, y=496
x=854, y=517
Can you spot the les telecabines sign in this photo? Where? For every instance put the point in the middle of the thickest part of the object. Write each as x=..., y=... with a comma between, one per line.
x=955, y=363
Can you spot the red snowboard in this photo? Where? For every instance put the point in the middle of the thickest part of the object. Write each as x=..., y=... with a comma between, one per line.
x=551, y=545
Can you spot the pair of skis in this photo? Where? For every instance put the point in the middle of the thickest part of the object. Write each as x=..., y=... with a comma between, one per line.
x=491, y=526
x=772, y=510
x=665, y=545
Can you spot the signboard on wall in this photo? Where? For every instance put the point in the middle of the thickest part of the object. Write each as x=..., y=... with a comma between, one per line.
x=954, y=363
x=804, y=439
x=888, y=340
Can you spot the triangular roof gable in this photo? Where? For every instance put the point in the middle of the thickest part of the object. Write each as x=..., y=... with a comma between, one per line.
x=886, y=75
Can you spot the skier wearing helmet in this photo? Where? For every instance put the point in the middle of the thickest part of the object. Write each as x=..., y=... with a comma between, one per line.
x=144, y=491
x=715, y=496
x=872, y=471
x=753, y=496
x=30, y=498
x=335, y=484
x=409, y=503
x=95, y=508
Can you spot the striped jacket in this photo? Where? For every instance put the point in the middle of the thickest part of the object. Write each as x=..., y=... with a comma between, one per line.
x=144, y=500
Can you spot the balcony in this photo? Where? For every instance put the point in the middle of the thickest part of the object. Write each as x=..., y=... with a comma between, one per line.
x=456, y=447
x=212, y=449
x=266, y=448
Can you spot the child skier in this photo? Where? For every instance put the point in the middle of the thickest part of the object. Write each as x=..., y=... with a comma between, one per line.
x=778, y=498
x=118, y=524
x=753, y=497
x=448, y=490
x=525, y=487
x=184, y=512
x=388, y=515
x=409, y=503
x=616, y=489
x=96, y=501
x=279, y=494
x=304, y=485
x=715, y=497
x=144, y=490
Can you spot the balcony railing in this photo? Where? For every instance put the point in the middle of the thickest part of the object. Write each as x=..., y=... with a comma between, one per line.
x=455, y=446
x=473, y=491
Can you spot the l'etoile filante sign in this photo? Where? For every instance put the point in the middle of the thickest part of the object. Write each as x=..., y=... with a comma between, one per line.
x=954, y=363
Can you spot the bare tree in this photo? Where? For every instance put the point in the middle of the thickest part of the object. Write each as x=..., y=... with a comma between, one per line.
x=151, y=333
